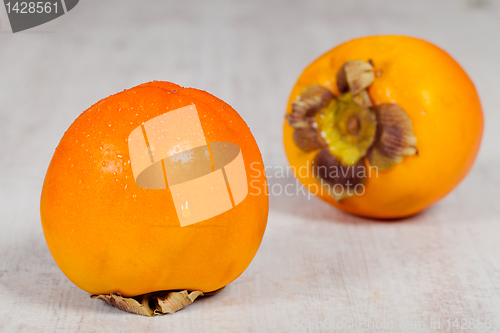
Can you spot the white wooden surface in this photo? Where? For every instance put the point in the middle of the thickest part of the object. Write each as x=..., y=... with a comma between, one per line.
x=315, y=262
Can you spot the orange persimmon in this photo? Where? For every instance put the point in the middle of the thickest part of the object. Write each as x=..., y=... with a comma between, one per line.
x=396, y=118
x=110, y=235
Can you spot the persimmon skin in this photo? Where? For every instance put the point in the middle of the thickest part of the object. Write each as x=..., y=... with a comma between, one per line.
x=109, y=235
x=440, y=100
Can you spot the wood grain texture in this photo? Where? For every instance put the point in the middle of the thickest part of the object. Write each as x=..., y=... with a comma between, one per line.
x=315, y=262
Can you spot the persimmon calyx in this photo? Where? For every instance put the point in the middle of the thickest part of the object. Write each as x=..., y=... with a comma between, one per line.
x=347, y=130
x=355, y=76
x=338, y=179
x=304, y=108
x=395, y=137
x=153, y=304
x=311, y=100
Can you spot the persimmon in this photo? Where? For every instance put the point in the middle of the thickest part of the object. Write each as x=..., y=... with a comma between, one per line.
x=116, y=230
x=384, y=125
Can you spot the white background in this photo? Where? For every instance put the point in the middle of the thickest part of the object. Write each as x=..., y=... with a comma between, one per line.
x=315, y=262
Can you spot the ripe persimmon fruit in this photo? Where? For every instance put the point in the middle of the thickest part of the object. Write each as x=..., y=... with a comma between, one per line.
x=112, y=232
x=385, y=126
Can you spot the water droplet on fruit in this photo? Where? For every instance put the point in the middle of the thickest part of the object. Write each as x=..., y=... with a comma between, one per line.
x=186, y=211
